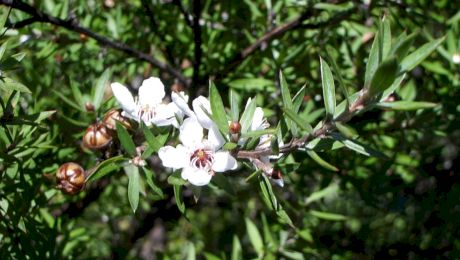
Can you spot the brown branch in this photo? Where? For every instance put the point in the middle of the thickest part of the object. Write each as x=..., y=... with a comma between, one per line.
x=278, y=32
x=326, y=128
x=72, y=25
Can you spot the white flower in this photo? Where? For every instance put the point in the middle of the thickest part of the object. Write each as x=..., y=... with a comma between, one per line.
x=456, y=58
x=198, y=157
x=149, y=106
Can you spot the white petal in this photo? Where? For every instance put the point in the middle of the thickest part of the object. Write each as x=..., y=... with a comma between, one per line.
x=164, y=115
x=223, y=161
x=191, y=132
x=215, y=137
x=180, y=99
x=197, y=177
x=151, y=92
x=199, y=104
x=257, y=119
x=124, y=97
x=279, y=182
x=175, y=158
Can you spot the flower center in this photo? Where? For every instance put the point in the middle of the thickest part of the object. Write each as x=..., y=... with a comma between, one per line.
x=145, y=112
x=202, y=159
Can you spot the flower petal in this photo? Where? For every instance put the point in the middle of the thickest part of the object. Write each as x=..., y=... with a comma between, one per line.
x=124, y=97
x=191, y=132
x=215, y=137
x=151, y=92
x=197, y=177
x=180, y=99
x=258, y=119
x=223, y=161
x=199, y=104
x=175, y=158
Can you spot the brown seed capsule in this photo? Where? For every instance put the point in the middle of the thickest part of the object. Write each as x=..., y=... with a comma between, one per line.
x=96, y=137
x=112, y=116
x=83, y=37
x=70, y=178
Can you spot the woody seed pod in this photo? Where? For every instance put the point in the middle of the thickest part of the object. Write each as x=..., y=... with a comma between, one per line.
x=96, y=137
x=70, y=178
x=112, y=116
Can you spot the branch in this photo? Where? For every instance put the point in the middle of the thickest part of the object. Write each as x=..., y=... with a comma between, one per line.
x=326, y=128
x=184, y=12
x=72, y=25
x=278, y=32
x=154, y=27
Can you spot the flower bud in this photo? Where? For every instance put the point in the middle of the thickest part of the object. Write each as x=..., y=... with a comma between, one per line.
x=235, y=127
x=96, y=137
x=277, y=177
x=112, y=116
x=70, y=178
x=89, y=107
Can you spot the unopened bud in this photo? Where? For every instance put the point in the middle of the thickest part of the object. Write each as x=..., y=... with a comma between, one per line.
x=89, y=107
x=96, y=137
x=235, y=127
x=70, y=178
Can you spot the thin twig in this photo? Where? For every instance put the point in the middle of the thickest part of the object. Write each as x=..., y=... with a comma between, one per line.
x=277, y=32
x=72, y=25
x=184, y=12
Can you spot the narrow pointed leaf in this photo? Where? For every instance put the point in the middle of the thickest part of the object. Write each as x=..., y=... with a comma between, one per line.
x=125, y=139
x=178, y=197
x=373, y=61
x=406, y=105
x=303, y=124
x=234, y=106
x=104, y=168
x=149, y=178
x=218, y=110
x=247, y=116
x=328, y=89
x=336, y=69
x=133, y=186
x=416, y=57
x=383, y=77
x=328, y=215
x=254, y=236
x=100, y=88
x=357, y=146
x=322, y=162
x=236, y=249
x=287, y=102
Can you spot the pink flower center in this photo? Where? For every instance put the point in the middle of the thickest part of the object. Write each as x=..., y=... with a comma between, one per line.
x=202, y=159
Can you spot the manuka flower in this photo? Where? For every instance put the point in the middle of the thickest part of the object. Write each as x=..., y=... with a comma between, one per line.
x=148, y=106
x=197, y=156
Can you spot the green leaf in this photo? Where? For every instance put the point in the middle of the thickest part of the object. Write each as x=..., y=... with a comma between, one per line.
x=125, y=139
x=4, y=17
x=230, y=146
x=328, y=89
x=247, y=116
x=386, y=36
x=178, y=197
x=9, y=84
x=151, y=139
x=336, y=69
x=3, y=49
x=373, y=61
x=327, y=215
x=271, y=201
x=321, y=162
x=298, y=99
x=383, y=77
x=234, y=106
x=346, y=130
x=176, y=179
x=77, y=94
x=402, y=45
x=406, y=105
x=149, y=178
x=298, y=120
x=254, y=84
x=287, y=101
x=104, y=168
x=218, y=110
x=357, y=146
x=223, y=183
x=324, y=144
x=100, y=88
x=254, y=236
x=317, y=195
x=236, y=249
x=416, y=57
x=259, y=133
x=133, y=186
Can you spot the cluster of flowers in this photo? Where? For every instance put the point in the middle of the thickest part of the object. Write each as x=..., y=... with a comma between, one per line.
x=200, y=154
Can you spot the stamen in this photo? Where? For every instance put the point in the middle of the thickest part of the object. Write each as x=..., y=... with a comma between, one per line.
x=202, y=159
